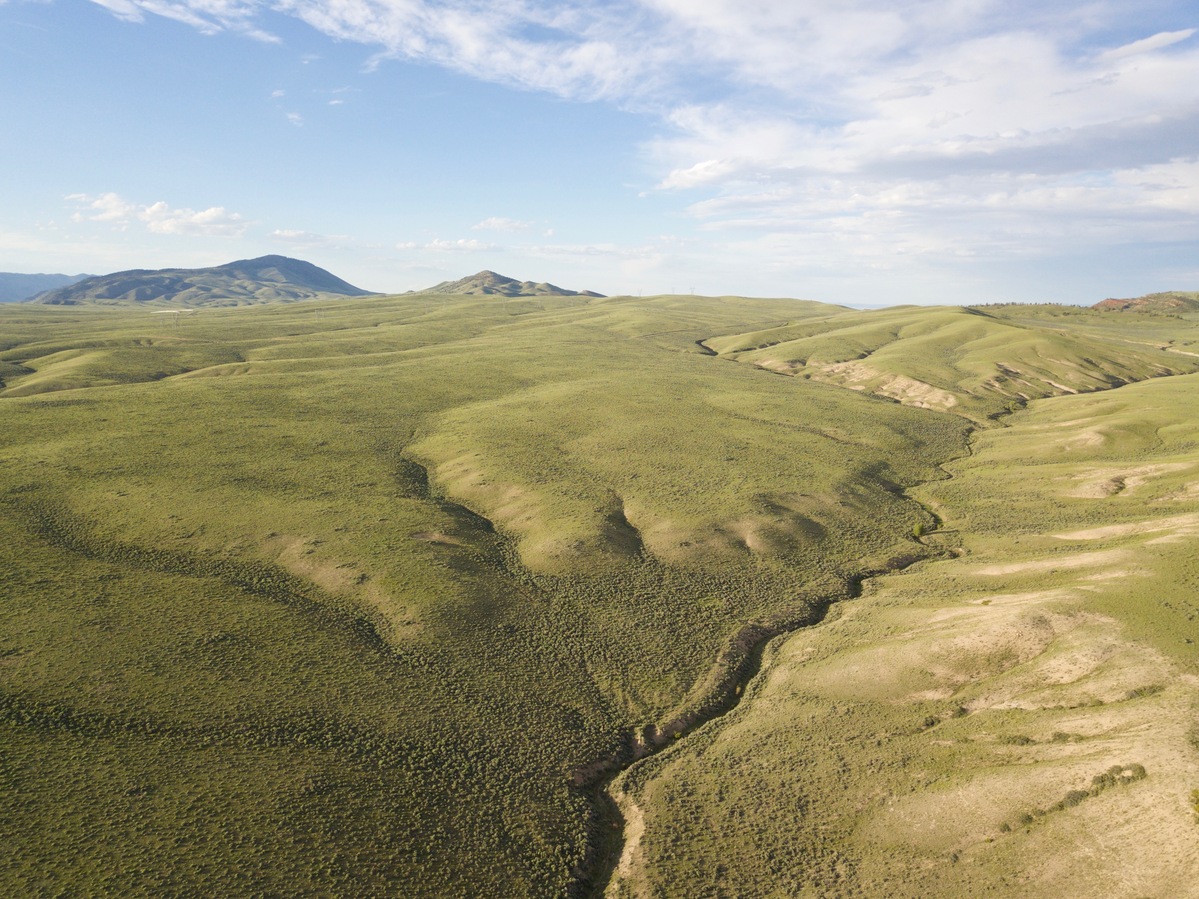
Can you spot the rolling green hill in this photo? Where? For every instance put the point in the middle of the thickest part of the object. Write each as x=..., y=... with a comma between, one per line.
x=973, y=362
x=1017, y=720
x=373, y=595
x=267, y=279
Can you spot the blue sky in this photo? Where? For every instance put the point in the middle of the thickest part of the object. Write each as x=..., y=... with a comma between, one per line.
x=853, y=151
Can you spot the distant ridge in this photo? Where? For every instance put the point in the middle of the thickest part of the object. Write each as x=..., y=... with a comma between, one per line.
x=15, y=286
x=1168, y=301
x=267, y=279
x=488, y=283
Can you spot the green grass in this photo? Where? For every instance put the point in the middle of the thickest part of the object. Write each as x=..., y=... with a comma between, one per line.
x=222, y=532
x=340, y=597
x=975, y=362
x=954, y=731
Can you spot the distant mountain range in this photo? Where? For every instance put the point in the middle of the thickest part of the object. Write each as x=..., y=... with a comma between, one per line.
x=15, y=287
x=487, y=283
x=1169, y=301
x=267, y=279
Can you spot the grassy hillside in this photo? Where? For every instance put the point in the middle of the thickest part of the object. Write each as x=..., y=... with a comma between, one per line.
x=973, y=362
x=363, y=596
x=1019, y=720
x=396, y=570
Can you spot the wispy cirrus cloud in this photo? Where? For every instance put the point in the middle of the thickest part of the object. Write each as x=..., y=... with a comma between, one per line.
x=940, y=126
x=575, y=50
x=308, y=239
x=208, y=16
x=158, y=218
x=461, y=245
x=499, y=223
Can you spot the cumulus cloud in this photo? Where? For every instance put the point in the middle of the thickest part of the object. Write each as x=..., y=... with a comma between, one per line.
x=158, y=218
x=987, y=138
x=913, y=127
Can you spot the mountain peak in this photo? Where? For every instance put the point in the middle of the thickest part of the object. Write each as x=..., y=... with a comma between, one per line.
x=265, y=279
x=489, y=283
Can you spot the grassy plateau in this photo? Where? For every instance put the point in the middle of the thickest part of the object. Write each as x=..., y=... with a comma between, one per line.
x=374, y=596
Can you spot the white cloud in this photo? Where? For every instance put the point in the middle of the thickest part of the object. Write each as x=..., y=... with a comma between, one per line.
x=296, y=119
x=587, y=251
x=158, y=218
x=937, y=126
x=128, y=10
x=307, y=238
x=499, y=223
x=585, y=55
x=462, y=245
x=705, y=172
x=207, y=16
x=1145, y=45
x=1007, y=142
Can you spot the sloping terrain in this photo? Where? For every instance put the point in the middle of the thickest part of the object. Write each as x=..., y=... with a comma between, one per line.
x=1169, y=301
x=267, y=279
x=16, y=287
x=1018, y=720
x=489, y=283
x=369, y=596
x=973, y=362
x=192, y=508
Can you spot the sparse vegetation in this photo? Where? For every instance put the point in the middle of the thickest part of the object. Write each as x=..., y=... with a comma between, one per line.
x=368, y=596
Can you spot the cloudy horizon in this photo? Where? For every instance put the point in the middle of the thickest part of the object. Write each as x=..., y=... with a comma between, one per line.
x=950, y=151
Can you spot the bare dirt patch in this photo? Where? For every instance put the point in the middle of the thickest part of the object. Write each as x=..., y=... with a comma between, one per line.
x=906, y=390
x=1081, y=560
x=623, y=879
x=1183, y=525
x=1104, y=482
x=436, y=537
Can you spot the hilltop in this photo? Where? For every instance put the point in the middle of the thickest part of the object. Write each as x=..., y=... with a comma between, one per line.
x=489, y=283
x=1167, y=301
x=267, y=279
x=18, y=286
